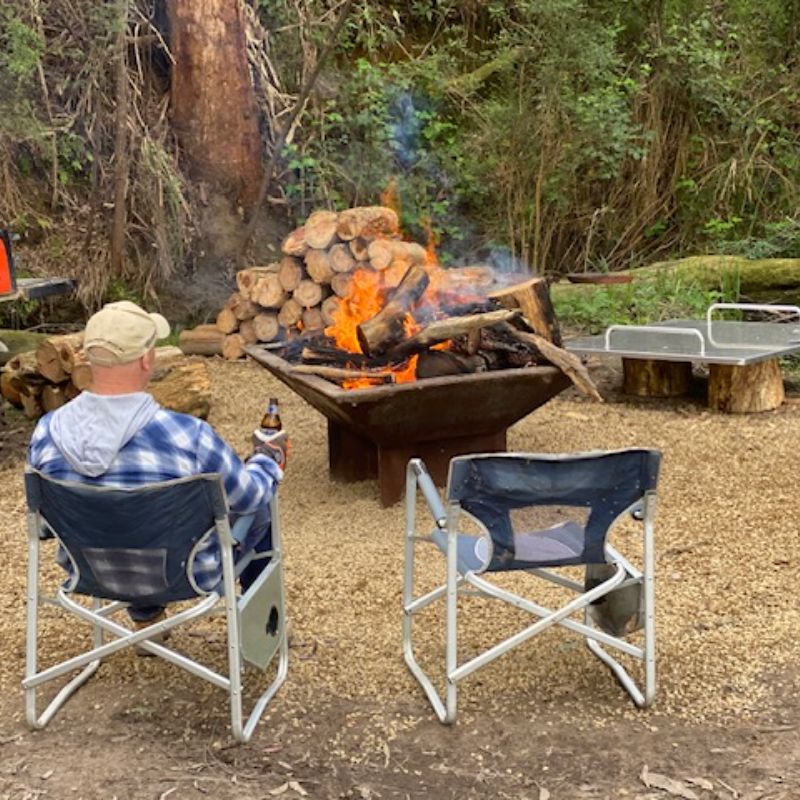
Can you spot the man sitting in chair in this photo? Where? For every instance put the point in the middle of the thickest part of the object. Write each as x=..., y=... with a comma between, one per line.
x=117, y=435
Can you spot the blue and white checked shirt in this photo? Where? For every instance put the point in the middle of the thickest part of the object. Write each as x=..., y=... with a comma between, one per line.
x=170, y=446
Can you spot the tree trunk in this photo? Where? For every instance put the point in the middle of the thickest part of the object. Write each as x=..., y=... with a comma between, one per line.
x=183, y=386
x=214, y=108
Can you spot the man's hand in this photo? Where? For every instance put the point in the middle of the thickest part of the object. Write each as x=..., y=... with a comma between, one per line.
x=277, y=446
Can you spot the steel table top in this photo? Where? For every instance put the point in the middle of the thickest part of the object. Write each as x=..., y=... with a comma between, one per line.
x=705, y=341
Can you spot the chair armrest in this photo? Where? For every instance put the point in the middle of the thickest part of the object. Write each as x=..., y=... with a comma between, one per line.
x=423, y=480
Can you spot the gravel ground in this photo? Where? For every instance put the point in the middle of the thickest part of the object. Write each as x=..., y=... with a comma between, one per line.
x=728, y=553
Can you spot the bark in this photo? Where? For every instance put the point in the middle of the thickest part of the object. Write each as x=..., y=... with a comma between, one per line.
x=53, y=397
x=386, y=329
x=214, y=108
x=183, y=386
x=437, y=363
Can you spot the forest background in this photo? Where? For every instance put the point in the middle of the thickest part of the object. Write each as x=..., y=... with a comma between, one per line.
x=545, y=135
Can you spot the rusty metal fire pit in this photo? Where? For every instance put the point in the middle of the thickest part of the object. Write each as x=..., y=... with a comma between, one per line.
x=373, y=432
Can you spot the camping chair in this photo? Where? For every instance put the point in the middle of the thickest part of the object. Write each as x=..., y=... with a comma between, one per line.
x=138, y=545
x=498, y=494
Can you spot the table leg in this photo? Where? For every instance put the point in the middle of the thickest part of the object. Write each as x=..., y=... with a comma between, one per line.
x=745, y=389
x=650, y=378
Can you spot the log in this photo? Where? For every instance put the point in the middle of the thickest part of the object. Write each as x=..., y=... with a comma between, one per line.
x=383, y=252
x=342, y=284
x=367, y=222
x=318, y=266
x=248, y=331
x=233, y=346
x=290, y=273
x=204, y=340
x=745, y=389
x=340, y=375
x=295, y=243
x=333, y=356
x=81, y=376
x=329, y=308
x=32, y=405
x=71, y=391
x=269, y=292
x=387, y=328
x=359, y=249
x=243, y=307
x=49, y=356
x=290, y=313
x=341, y=259
x=246, y=279
x=437, y=363
x=443, y=329
x=183, y=386
x=8, y=390
x=266, y=327
x=567, y=362
x=532, y=297
x=226, y=320
x=645, y=377
x=312, y=319
x=308, y=294
x=53, y=397
x=320, y=229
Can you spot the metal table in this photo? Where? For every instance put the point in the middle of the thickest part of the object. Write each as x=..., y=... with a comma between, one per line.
x=741, y=351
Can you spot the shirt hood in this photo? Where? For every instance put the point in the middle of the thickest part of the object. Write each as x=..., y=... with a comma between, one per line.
x=93, y=428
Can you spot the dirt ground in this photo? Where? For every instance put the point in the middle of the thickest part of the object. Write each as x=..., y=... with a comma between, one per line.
x=546, y=721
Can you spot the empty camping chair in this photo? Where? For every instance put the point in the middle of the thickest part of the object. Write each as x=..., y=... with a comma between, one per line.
x=138, y=545
x=532, y=513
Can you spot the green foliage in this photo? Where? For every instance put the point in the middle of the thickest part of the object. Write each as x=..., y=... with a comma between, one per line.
x=666, y=296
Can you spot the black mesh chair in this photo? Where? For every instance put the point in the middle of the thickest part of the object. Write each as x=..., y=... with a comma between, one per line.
x=138, y=545
x=534, y=513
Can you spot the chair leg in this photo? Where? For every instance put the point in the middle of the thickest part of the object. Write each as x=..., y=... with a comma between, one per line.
x=446, y=710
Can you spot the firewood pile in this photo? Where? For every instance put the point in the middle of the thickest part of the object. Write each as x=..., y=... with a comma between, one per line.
x=302, y=292
x=352, y=302
x=44, y=379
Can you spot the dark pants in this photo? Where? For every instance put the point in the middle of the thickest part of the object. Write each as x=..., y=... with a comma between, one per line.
x=257, y=540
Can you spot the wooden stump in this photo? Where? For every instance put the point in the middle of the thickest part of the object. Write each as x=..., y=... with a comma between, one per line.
x=649, y=378
x=747, y=389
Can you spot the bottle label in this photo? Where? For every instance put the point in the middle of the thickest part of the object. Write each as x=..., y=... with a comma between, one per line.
x=272, y=409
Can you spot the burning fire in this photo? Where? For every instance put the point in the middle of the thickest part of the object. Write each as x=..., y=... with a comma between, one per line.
x=370, y=291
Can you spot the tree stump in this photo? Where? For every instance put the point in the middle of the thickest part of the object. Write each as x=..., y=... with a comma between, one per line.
x=745, y=389
x=645, y=377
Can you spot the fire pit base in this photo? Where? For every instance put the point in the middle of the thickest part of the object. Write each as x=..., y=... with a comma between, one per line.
x=354, y=458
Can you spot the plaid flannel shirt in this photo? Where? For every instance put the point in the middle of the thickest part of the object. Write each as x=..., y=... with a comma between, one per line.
x=170, y=446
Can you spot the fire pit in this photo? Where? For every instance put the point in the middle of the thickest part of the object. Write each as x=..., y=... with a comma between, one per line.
x=373, y=432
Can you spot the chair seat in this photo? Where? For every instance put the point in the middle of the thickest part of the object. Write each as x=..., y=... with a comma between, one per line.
x=560, y=545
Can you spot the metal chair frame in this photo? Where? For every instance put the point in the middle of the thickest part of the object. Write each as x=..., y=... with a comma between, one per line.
x=469, y=583
x=216, y=602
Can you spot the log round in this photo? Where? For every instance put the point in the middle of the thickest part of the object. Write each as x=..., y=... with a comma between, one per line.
x=644, y=377
x=290, y=273
x=342, y=284
x=367, y=221
x=295, y=243
x=341, y=259
x=248, y=331
x=226, y=320
x=266, y=327
x=329, y=307
x=320, y=229
x=745, y=389
x=318, y=266
x=312, y=319
x=382, y=252
x=359, y=248
x=290, y=313
x=246, y=279
x=269, y=293
x=308, y=294
x=233, y=346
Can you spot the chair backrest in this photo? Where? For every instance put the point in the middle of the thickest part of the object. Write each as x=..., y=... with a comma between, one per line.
x=490, y=487
x=130, y=544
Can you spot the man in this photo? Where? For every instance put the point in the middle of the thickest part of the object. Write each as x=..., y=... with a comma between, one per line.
x=117, y=435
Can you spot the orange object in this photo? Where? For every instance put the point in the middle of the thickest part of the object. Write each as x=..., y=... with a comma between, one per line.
x=8, y=281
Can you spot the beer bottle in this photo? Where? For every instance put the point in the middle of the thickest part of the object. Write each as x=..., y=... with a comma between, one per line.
x=271, y=421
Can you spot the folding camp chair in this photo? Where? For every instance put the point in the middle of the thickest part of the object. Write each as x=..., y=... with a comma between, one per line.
x=512, y=501
x=129, y=545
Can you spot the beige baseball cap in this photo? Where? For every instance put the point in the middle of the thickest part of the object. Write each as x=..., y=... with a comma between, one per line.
x=124, y=331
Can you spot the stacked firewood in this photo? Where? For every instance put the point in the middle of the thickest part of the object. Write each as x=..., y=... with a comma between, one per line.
x=44, y=379
x=302, y=291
